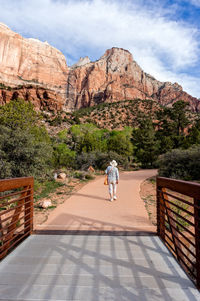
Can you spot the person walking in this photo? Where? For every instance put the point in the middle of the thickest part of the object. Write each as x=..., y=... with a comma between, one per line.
x=113, y=179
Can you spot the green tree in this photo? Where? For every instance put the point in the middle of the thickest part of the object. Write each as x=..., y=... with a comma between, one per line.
x=178, y=115
x=25, y=147
x=145, y=143
x=63, y=156
x=18, y=114
x=172, y=126
x=120, y=142
x=87, y=137
x=194, y=134
x=22, y=154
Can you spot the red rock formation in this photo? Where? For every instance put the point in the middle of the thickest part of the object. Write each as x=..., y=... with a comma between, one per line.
x=35, y=71
x=31, y=69
x=116, y=76
x=42, y=99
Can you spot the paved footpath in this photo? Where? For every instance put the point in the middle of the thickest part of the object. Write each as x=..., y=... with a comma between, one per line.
x=90, y=208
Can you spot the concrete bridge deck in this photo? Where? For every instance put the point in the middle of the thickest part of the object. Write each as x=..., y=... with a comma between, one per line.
x=93, y=268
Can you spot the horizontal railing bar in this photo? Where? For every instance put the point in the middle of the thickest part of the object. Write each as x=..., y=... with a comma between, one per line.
x=185, y=256
x=180, y=216
x=170, y=247
x=9, y=184
x=169, y=244
x=191, y=272
x=180, y=250
x=11, y=209
x=15, y=235
x=180, y=199
x=18, y=200
x=179, y=207
x=188, y=188
x=182, y=243
x=181, y=233
x=9, y=217
x=13, y=230
x=13, y=194
x=187, y=230
x=15, y=242
x=13, y=223
x=175, y=228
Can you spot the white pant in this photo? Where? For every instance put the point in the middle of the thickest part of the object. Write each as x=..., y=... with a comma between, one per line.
x=112, y=188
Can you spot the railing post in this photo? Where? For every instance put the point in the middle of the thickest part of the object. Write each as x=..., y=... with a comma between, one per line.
x=197, y=238
x=29, y=211
x=160, y=213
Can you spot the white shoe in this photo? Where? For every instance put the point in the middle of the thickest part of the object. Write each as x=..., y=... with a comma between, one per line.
x=115, y=197
x=111, y=200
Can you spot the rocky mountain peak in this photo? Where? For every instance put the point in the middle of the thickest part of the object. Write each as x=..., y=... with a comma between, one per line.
x=4, y=27
x=115, y=51
x=115, y=77
x=82, y=61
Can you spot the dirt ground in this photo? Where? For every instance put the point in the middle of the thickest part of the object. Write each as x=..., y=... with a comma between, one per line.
x=58, y=197
x=148, y=194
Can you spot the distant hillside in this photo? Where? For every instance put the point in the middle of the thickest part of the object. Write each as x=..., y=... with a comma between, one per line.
x=111, y=115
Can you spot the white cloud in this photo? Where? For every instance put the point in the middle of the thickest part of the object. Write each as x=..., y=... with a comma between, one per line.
x=154, y=67
x=195, y=2
x=161, y=46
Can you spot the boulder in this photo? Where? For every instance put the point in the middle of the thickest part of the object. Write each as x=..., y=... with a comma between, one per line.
x=45, y=204
x=62, y=176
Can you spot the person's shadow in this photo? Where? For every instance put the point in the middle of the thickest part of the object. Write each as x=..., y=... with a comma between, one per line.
x=91, y=196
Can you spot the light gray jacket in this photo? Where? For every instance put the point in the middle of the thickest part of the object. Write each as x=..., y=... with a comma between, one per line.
x=113, y=174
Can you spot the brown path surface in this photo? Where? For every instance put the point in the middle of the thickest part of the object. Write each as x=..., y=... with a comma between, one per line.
x=90, y=209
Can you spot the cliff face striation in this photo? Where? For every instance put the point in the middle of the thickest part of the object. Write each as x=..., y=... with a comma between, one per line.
x=116, y=76
x=35, y=71
x=32, y=70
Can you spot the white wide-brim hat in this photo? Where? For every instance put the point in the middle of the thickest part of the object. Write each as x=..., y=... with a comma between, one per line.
x=113, y=163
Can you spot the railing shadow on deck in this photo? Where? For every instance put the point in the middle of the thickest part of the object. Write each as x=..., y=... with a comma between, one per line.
x=178, y=222
x=113, y=265
x=16, y=212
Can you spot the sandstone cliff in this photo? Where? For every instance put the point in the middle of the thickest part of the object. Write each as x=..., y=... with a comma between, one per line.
x=35, y=71
x=32, y=70
x=116, y=76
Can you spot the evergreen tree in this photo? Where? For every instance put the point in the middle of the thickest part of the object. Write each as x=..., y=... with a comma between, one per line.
x=172, y=126
x=145, y=143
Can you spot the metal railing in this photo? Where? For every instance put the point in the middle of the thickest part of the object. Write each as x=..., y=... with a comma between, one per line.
x=178, y=222
x=16, y=212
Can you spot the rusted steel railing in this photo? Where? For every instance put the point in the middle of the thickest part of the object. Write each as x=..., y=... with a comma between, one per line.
x=178, y=222
x=16, y=212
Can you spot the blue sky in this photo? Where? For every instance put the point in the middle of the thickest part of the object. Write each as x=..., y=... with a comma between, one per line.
x=163, y=36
